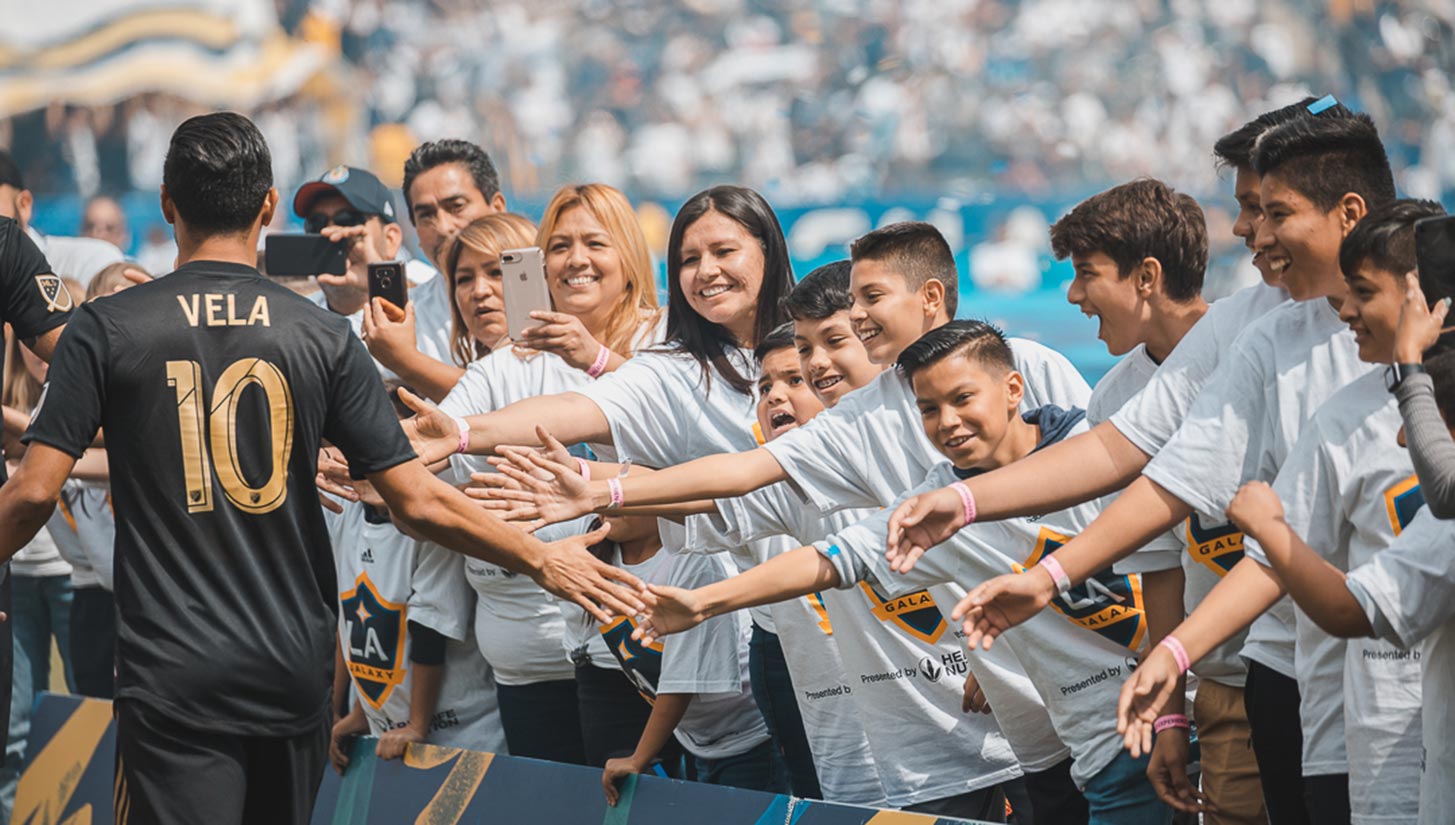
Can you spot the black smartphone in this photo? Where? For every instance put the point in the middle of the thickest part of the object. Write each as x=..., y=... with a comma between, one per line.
x=1435, y=246
x=294, y=255
x=386, y=280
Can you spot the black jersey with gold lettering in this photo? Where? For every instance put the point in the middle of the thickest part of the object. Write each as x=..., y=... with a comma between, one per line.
x=215, y=388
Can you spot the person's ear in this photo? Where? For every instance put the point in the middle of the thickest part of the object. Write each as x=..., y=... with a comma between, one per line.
x=1148, y=277
x=169, y=209
x=933, y=295
x=24, y=206
x=393, y=239
x=1351, y=210
x=1015, y=389
x=270, y=205
x=498, y=202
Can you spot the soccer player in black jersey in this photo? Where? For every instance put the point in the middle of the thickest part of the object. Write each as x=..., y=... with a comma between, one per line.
x=215, y=388
x=35, y=303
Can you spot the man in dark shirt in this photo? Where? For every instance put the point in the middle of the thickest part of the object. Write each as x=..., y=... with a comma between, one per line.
x=35, y=304
x=215, y=388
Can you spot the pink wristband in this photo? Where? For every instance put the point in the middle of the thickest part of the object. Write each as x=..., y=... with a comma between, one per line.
x=1171, y=720
x=584, y=467
x=1178, y=652
x=613, y=485
x=599, y=365
x=966, y=498
x=1058, y=574
x=464, y=434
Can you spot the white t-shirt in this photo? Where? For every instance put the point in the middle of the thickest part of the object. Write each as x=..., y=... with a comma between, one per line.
x=709, y=661
x=826, y=458
x=84, y=530
x=1077, y=655
x=385, y=581
x=1246, y=420
x=1348, y=489
x=905, y=672
x=432, y=320
x=1150, y=419
x=1408, y=593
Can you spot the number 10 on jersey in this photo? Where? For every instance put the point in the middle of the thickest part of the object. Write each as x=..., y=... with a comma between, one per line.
x=216, y=436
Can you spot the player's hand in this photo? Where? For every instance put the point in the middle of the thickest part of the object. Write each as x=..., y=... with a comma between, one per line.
x=570, y=572
x=1002, y=603
x=919, y=523
x=344, y=731
x=674, y=610
x=389, y=331
x=361, y=253
x=1142, y=698
x=432, y=432
x=1167, y=771
x=564, y=335
x=1420, y=324
x=973, y=700
x=1254, y=508
x=392, y=744
x=616, y=770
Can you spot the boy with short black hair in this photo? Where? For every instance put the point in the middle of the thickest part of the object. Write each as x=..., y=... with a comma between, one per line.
x=831, y=356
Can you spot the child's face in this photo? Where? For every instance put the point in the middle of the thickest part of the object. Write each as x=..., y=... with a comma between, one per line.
x=1100, y=292
x=887, y=314
x=785, y=399
x=1299, y=240
x=965, y=408
x=1371, y=309
x=832, y=357
x=1246, y=190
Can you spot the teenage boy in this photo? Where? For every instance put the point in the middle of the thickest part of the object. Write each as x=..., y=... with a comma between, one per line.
x=1349, y=495
x=969, y=394
x=1404, y=595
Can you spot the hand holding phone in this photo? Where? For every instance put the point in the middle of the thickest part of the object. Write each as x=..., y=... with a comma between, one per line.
x=290, y=255
x=524, y=284
x=387, y=281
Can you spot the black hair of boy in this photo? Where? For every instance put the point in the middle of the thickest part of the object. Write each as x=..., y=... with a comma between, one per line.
x=1235, y=149
x=1385, y=240
x=976, y=340
x=693, y=334
x=917, y=251
x=1142, y=219
x=217, y=173
x=1326, y=158
x=476, y=161
x=821, y=293
x=1440, y=364
x=780, y=338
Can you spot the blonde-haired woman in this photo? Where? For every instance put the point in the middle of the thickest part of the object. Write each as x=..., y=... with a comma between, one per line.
x=605, y=306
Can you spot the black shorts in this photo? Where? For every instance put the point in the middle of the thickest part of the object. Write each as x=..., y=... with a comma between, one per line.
x=170, y=774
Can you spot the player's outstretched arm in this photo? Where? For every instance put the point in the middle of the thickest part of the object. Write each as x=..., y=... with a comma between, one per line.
x=1063, y=475
x=793, y=574
x=1316, y=586
x=570, y=416
x=29, y=497
x=445, y=516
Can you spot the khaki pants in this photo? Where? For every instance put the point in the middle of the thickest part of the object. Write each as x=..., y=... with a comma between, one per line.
x=1229, y=768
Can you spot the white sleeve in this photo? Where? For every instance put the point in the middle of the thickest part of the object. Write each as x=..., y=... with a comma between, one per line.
x=646, y=409
x=474, y=393
x=1153, y=415
x=441, y=598
x=1050, y=377
x=1308, y=487
x=705, y=659
x=857, y=554
x=1227, y=439
x=1408, y=591
x=826, y=459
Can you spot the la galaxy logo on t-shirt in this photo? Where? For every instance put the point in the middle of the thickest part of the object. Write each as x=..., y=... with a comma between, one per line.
x=1107, y=603
x=1403, y=501
x=375, y=640
x=915, y=613
x=1217, y=548
x=641, y=663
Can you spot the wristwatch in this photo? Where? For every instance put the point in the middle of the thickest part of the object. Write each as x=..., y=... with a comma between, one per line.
x=1395, y=374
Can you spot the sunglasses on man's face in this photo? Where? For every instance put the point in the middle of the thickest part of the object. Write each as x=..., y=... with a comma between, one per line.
x=316, y=222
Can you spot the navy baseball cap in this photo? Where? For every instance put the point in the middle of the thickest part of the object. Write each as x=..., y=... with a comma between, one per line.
x=359, y=187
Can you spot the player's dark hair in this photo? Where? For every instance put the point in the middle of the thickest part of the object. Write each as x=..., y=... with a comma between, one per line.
x=427, y=156
x=1326, y=158
x=689, y=332
x=10, y=171
x=780, y=338
x=1385, y=239
x=218, y=172
x=821, y=293
x=917, y=251
x=1135, y=221
x=1235, y=149
x=976, y=340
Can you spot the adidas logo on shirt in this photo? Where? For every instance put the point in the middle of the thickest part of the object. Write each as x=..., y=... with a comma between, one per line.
x=368, y=556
